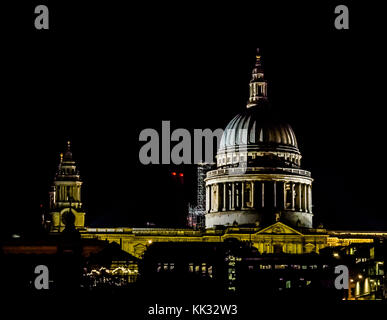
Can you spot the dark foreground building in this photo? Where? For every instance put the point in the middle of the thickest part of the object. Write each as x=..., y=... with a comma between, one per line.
x=237, y=269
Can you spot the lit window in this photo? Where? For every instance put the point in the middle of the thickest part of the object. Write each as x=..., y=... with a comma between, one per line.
x=209, y=270
x=204, y=268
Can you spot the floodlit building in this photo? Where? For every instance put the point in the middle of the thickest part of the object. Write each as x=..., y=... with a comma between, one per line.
x=65, y=195
x=258, y=178
x=258, y=194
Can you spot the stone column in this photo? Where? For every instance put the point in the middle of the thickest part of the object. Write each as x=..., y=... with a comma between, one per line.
x=237, y=197
x=298, y=202
x=305, y=198
x=232, y=195
x=224, y=196
x=292, y=186
x=310, y=197
x=301, y=197
x=212, y=198
x=208, y=200
x=243, y=195
x=229, y=194
x=284, y=195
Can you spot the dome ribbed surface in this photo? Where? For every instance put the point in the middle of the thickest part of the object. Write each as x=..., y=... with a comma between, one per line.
x=257, y=128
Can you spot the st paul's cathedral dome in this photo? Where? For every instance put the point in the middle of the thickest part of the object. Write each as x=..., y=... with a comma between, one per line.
x=258, y=178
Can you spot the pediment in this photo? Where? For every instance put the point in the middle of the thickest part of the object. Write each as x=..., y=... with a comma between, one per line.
x=279, y=228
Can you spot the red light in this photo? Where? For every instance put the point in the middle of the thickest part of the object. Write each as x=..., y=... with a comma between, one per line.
x=181, y=175
x=173, y=173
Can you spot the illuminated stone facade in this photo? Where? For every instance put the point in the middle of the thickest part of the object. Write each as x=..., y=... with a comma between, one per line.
x=258, y=193
x=276, y=238
x=65, y=196
x=258, y=178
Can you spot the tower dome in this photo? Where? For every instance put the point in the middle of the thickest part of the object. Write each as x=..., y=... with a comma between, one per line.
x=258, y=178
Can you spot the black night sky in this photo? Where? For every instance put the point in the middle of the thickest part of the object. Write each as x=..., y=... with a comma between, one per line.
x=103, y=72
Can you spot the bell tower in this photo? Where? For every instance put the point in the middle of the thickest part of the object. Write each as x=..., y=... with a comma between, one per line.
x=65, y=195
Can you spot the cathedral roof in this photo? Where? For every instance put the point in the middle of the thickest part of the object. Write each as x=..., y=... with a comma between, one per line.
x=256, y=128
